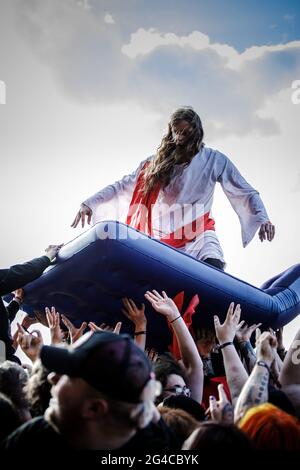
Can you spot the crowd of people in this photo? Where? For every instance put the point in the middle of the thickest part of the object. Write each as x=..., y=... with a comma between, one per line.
x=93, y=387
x=230, y=387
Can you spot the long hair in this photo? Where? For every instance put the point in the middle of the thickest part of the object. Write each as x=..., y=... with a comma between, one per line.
x=160, y=168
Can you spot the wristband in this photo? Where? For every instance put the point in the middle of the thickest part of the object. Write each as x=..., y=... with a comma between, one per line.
x=140, y=333
x=263, y=364
x=221, y=346
x=179, y=316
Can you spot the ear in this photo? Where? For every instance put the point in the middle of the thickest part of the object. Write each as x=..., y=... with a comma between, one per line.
x=94, y=408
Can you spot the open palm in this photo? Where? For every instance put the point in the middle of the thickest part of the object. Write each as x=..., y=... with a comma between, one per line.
x=162, y=304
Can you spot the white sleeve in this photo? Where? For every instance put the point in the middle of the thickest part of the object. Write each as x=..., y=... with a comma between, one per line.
x=244, y=199
x=114, y=199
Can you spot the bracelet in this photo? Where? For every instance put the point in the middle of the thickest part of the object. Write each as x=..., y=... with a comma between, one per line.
x=221, y=346
x=179, y=316
x=140, y=333
x=263, y=364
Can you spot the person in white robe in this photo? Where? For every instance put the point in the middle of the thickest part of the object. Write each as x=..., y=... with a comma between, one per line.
x=177, y=207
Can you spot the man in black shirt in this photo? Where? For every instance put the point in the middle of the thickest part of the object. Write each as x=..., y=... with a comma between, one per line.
x=103, y=392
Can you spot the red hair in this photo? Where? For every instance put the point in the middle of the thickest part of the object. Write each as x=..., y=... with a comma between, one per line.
x=271, y=428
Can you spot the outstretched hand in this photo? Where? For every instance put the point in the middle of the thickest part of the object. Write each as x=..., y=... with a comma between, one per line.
x=266, y=231
x=133, y=313
x=163, y=304
x=75, y=333
x=83, y=213
x=226, y=332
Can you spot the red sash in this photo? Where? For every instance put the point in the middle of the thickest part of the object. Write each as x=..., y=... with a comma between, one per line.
x=140, y=216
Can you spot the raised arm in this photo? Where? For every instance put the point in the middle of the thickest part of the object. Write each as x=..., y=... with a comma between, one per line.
x=236, y=374
x=138, y=317
x=255, y=390
x=188, y=350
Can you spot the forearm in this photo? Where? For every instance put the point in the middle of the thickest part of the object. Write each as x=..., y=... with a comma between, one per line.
x=290, y=371
x=190, y=357
x=236, y=374
x=21, y=274
x=140, y=335
x=248, y=354
x=254, y=392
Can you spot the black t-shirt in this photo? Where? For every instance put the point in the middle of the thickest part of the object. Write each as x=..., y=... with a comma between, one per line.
x=35, y=434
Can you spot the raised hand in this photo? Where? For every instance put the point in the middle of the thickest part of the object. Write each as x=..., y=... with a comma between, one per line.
x=266, y=231
x=53, y=319
x=83, y=213
x=75, y=333
x=152, y=355
x=221, y=410
x=244, y=332
x=30, y=343
x=226, y=332
x=103, y=327
x=163, y=304
x=266, y=346
x=133, y=313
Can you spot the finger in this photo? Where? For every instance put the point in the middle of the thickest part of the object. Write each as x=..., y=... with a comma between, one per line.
x=66, y=322
x=212, y=405
x=38, y=333
x=83, y=327
x=21, y=329
x=240, y=325
x=117, y=328
x=216, y=321
x=143, y=308
x=76, y=220
x=89, y=217
x=125, y=312
x=273, y=232
x=230, y=311
x=132, y=304
x=257, y=334
x=150, y=297
x=222, y=394
x=237, y=313
x=164, y=295
x=157, y=294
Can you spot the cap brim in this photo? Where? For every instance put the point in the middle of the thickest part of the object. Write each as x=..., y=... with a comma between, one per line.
x=59, y=360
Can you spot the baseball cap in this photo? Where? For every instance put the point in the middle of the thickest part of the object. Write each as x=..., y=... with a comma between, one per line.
x=112, y=364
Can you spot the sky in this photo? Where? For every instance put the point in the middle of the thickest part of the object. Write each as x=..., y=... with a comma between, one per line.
x=89, y=88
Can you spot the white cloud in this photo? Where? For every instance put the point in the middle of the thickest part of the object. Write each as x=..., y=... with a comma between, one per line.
x=109, y=19
x=159, y=70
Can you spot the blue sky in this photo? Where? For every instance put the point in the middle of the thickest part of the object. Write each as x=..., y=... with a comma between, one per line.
x=239, y=23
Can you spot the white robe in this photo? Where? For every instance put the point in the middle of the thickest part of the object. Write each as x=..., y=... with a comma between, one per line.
x=193, y=185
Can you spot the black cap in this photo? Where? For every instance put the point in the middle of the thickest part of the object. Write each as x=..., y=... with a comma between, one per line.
x=112, y=364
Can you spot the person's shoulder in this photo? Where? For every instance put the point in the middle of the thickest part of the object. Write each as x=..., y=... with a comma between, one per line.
x=214, y=155
x=37, y=432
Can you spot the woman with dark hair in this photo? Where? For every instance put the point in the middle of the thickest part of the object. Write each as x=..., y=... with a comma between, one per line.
x=170, y=195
